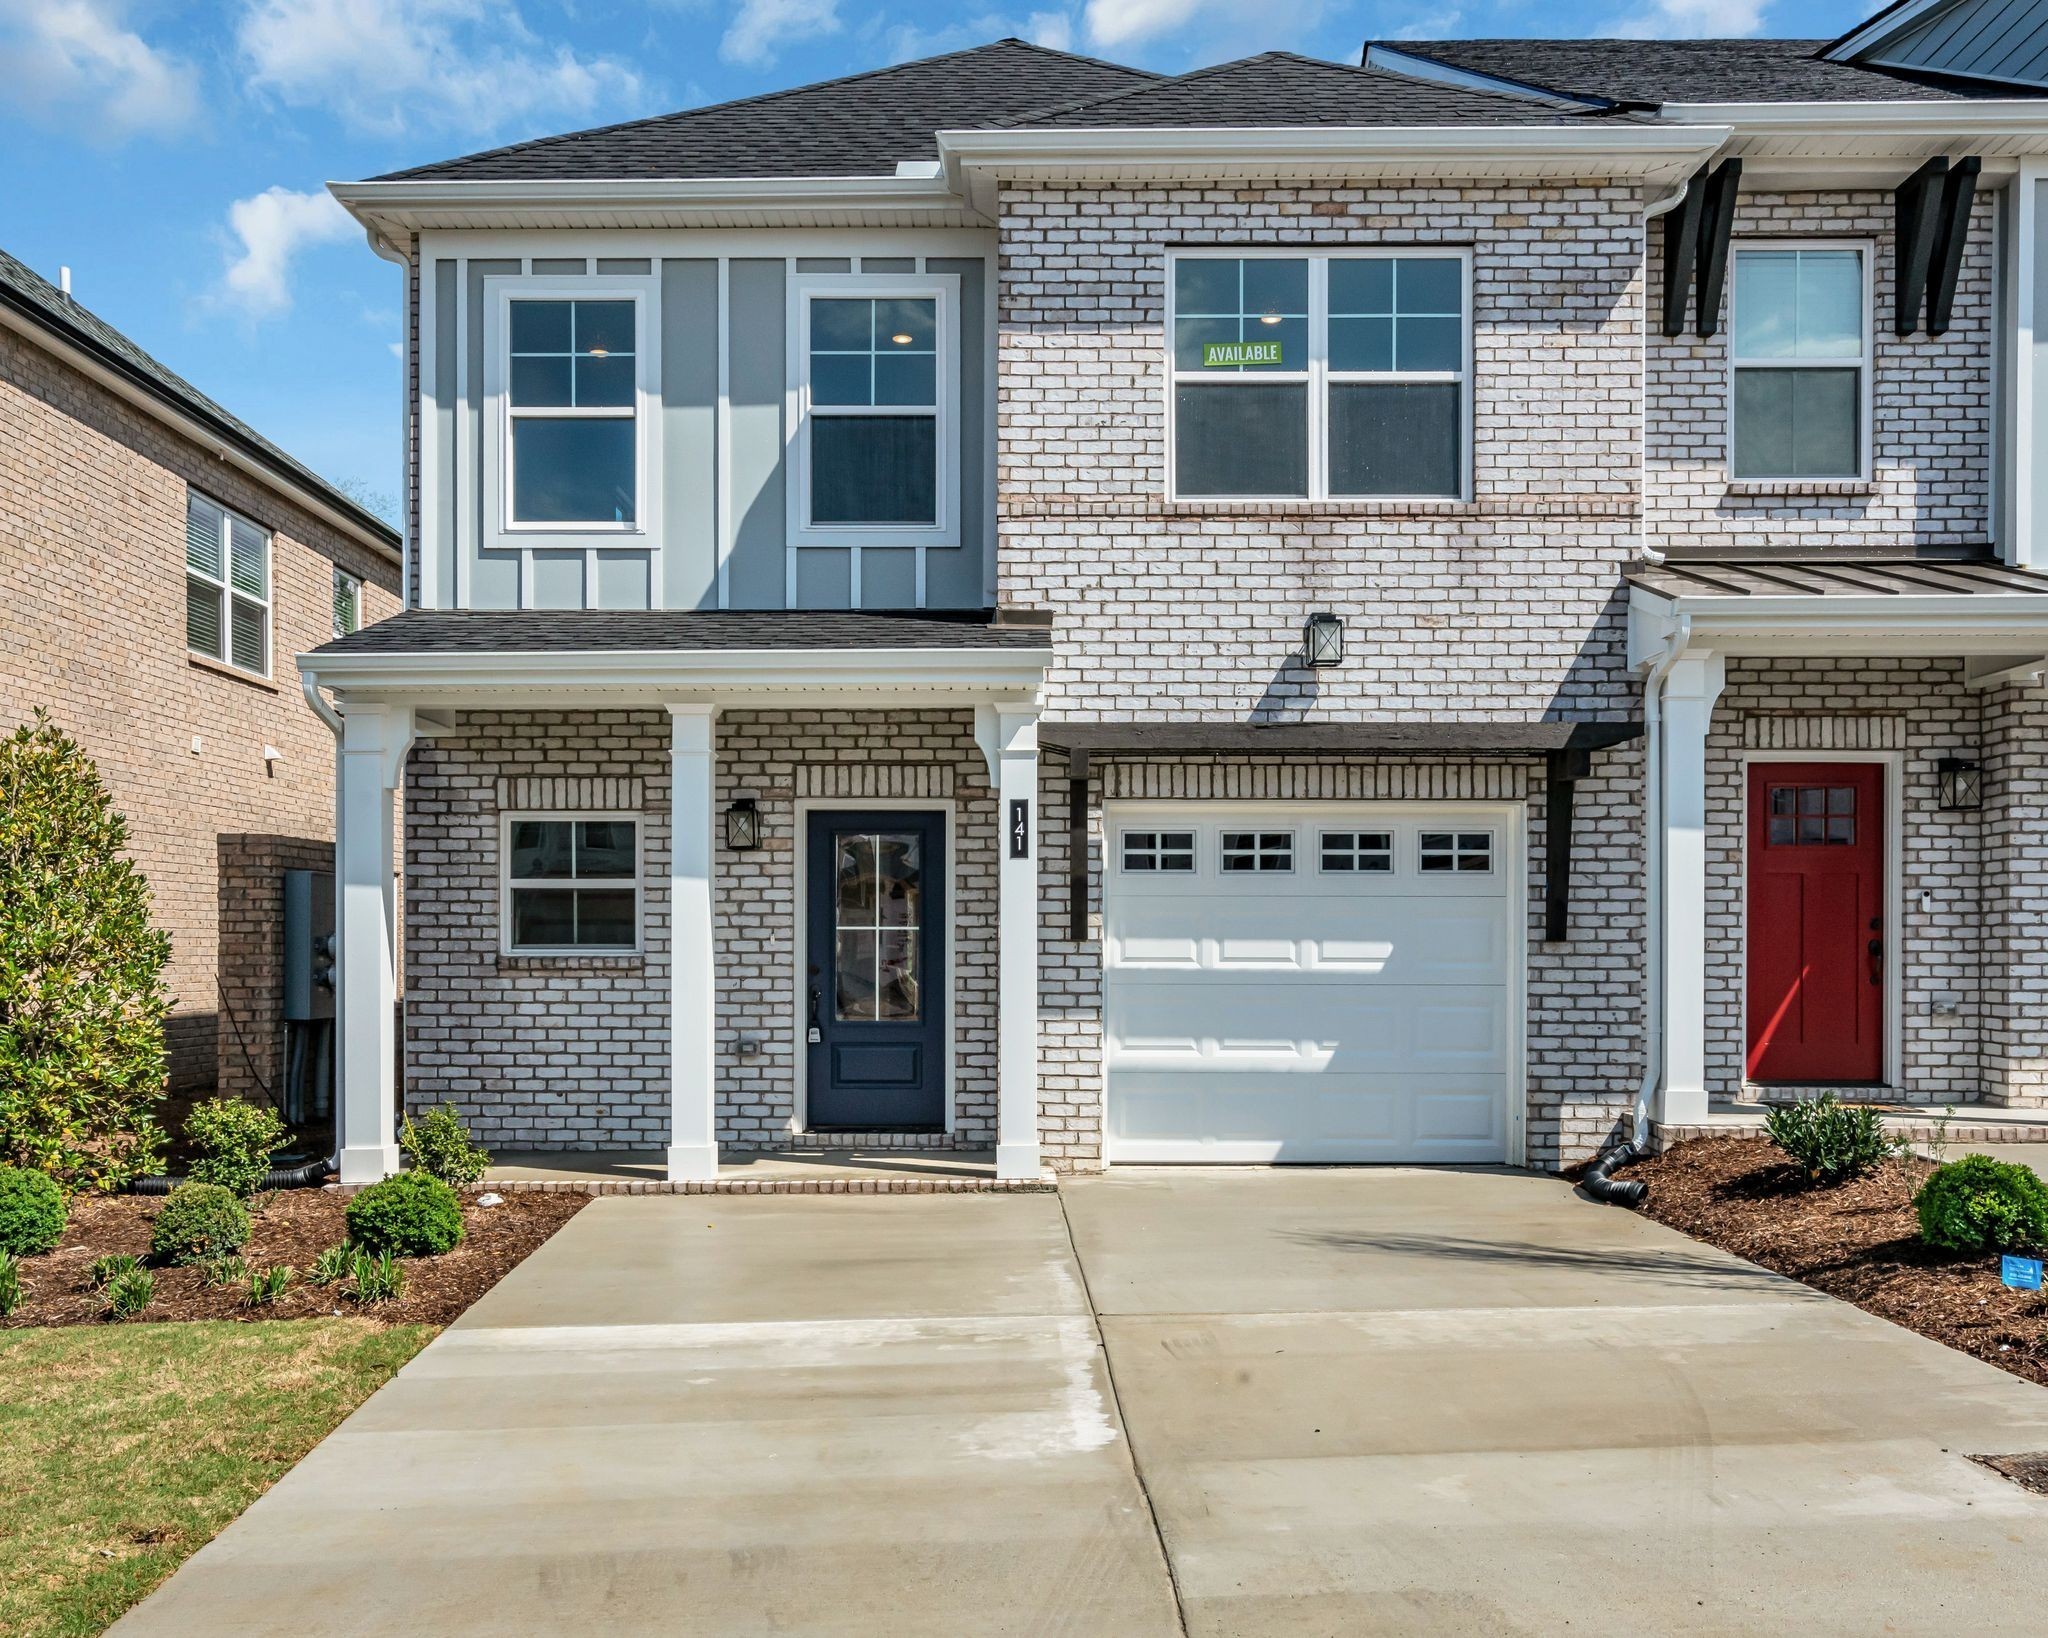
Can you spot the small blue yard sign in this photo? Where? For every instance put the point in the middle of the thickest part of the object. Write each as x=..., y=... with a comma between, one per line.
x=2021, y=1273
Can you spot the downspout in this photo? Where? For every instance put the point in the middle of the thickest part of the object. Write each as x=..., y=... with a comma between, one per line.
x=309, y=685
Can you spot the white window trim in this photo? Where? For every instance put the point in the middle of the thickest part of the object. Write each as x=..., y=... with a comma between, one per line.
x=506, y=884
x=1319, y=375
x=805, y=288
x=1864, y=363
x=500, y=531
x=229, y=591
x=343, y=577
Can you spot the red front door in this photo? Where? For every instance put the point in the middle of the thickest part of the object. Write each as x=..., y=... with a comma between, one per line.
x=1816, y=922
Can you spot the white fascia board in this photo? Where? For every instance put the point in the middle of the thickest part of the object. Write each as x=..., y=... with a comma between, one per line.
x=1975, y=623
x=1909, y=121
x=989, y=672
x=1630, y=149
x=193, y=431
x=401, y=203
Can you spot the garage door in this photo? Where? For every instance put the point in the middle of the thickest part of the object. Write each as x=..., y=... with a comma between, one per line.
x=1308, y=983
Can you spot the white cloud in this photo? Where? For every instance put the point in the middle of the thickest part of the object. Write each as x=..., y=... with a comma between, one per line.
x=75, y=61
x=273, y=227
x=388, y=65
x=1692, y=20
x=1228, y=24
x=1122, y=22
x=761, y=28
x=1052, y=29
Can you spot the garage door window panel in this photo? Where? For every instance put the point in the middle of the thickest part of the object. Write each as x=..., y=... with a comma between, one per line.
x=1463, y=852
x=1354, y=852
x=1264, y=852
x=1159, y=852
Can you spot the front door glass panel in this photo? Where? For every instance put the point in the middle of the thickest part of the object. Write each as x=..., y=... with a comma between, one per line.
x=876, y=921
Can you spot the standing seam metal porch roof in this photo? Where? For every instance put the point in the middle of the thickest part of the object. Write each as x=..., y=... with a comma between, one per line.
x=1887, y=577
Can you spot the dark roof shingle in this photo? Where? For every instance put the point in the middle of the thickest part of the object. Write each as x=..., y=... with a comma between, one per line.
x=604, y=631
x=858, y=126
x=1278, y=88
x=36, y=299
x=1655, y=71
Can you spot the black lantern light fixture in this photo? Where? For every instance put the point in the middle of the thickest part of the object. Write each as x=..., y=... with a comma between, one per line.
x=1961, y=784
x=743, y=825
x=1322, y=640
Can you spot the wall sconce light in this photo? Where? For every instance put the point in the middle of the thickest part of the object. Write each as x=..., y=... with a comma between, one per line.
x=1961, y=783
x=743, y=825
x=1322, y=640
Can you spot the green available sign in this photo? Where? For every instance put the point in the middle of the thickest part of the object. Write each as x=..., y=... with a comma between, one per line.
x=1224, y=355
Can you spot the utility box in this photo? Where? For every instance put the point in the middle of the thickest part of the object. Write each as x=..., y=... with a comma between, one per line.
x=309, y=946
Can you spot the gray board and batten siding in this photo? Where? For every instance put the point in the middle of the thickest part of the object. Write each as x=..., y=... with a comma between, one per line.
x=2002, y=40
x=714, y=551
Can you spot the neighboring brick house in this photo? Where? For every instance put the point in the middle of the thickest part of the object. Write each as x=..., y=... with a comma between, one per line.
x=1443, y=610
x=161, y=567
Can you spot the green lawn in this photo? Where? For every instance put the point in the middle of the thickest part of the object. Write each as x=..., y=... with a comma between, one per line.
x=126, y=1448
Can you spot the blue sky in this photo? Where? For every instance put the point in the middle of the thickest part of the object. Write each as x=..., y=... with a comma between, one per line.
x=173, y=155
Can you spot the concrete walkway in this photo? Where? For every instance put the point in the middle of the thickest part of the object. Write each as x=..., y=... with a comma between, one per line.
x=1375, y=1401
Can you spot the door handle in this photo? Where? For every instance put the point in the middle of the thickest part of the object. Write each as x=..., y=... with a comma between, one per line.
x=815, y=1033
x=1877, y=961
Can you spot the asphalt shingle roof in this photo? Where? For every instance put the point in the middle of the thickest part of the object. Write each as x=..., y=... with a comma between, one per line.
x=858, y=126
x=1650, y=71
x=35, y=298
x=603, y=631
x=1278, y=88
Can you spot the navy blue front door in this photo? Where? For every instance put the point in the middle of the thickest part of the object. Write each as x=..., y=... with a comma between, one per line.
x=875, y=997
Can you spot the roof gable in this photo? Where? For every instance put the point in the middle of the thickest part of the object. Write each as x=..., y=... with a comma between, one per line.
x=861, y=125
x=2003, y=41
x=1280, y=89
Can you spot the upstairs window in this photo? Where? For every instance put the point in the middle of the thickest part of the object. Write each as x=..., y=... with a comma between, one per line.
x=1319, y=377
x=877, y=395
x=572, y=389
x=227, y=586
x=1800, y=355
x=348, y=603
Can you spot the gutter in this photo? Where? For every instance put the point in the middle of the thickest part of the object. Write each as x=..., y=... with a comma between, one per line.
x=105, y=369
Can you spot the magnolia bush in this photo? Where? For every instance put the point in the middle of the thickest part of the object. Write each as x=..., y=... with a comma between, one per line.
x=82, y=999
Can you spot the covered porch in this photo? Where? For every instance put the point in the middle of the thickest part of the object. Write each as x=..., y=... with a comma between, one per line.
x=701, y=886
x=1847, y=797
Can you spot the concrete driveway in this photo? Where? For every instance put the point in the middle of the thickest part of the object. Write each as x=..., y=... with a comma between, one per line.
x=1378, y=1401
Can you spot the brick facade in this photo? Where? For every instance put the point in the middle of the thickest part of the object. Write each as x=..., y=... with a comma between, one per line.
x=92, y=626
x=547, y=1052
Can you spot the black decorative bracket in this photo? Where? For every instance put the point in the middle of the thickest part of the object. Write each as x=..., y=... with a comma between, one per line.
x=1717, y=225
x=1932, y=211
x=1077, y=846
x=1562, y=770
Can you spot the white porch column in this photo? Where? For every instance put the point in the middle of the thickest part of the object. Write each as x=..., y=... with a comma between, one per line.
x=1690, y=690
x=693, y=1006
x=374, y=741
x=2021, y=527
x=1016, y=747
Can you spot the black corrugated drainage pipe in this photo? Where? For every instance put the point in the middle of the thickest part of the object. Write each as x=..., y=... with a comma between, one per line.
x=1601, y=1186
x=280, y=1177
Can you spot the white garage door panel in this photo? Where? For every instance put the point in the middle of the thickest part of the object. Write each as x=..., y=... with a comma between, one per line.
x=1345, y=935
x=1310, y=1015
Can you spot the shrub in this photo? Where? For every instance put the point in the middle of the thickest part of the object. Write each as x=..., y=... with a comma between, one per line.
x=410, y=1215
x=235, y=1141
x=1981, y=1204
x=82, y=999
x=32, y=1211
x=103, y=1271
x=128, y=1294
x=266, y=1285
x=10, y=1283
x=438, y=1144
x=1830, y=1140
x=376, y=1279
x=199, y=1222
x=331, y=1265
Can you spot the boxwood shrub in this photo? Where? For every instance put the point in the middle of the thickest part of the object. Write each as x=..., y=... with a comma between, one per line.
x=1981, y=1204
x=410, y=1215
x=197, y=1223
x=32, y=1212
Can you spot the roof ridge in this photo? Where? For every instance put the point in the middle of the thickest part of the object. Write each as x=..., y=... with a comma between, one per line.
x=1157, y=82
x=759, y=97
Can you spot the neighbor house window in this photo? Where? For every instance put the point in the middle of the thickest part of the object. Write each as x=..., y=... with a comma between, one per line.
x=227, y=586
x=572, y=410
x=348, y=603
x=1799, y=353
x=572, y=883
x=876, y=394
x=1319, y=377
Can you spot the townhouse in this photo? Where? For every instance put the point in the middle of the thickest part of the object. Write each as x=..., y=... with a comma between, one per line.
x=1448, y=609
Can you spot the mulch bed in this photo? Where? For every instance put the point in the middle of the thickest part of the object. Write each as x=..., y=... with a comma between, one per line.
x=1859, y=1241
x=293, y=1227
